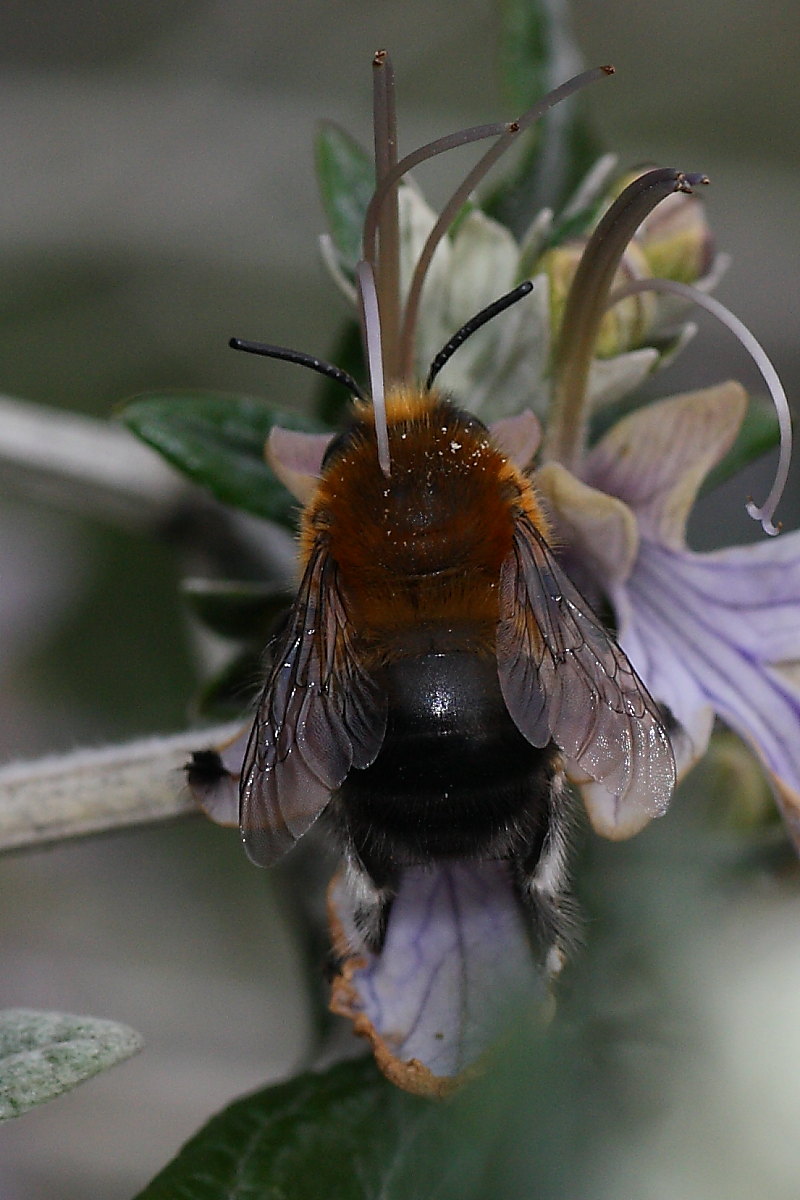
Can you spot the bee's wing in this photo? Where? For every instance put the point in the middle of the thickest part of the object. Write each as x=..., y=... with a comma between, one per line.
x=319, y=715
x=564, y=677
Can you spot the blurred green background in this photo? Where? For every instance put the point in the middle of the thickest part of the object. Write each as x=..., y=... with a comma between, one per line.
x=158, y=196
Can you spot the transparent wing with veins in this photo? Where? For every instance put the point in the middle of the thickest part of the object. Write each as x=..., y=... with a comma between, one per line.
x=319, y=715
x=564, y=678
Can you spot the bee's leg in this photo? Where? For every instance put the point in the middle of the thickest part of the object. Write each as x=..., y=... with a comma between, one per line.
x=371, y=878
x=542, y=882
x=371, y=900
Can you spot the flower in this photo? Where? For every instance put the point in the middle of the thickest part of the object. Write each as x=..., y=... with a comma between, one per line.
x=714, y=633
x=456, y=960
x=708, y=634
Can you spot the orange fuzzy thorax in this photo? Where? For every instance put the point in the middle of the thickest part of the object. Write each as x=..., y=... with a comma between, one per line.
x=423, y=547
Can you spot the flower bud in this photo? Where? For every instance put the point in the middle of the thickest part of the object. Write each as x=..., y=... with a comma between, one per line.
x=675, y=238
x=624, y=326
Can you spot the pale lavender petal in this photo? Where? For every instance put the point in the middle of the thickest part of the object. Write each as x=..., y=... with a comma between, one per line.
x=760, y=585
x=656, y=458
x=518, y=437
x=717, y=626
x=455, y=960
x=653, y=657
x=296, y=458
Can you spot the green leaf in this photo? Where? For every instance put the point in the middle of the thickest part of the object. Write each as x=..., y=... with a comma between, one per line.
x=346, y=180
x=579, y=224
x=218, y=441
x=758, y=434
x=43, y=1054
x=526, y=49
x=535, y=43
x=536, y=1126
x=247, y=613
x=229, y=694
x=235, y=609
x=344, y=1133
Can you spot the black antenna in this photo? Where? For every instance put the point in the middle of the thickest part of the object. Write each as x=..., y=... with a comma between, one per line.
x=486, y=314
x=304, y=360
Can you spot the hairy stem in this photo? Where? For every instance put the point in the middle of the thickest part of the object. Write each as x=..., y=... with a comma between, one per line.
x=96, y=791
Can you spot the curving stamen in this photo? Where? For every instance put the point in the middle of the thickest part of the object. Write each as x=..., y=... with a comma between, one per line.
x=387, y=271
x=450, y=141
x=372, y=337
x=759, y=512
x=462, y=193
x=474, y=323
x=302, y=359
x=586, y=304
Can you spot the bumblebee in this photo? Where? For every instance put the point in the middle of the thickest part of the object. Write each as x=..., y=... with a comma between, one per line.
x=438, y=671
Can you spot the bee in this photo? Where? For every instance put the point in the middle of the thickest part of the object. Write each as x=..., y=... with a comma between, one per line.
x=437, y=670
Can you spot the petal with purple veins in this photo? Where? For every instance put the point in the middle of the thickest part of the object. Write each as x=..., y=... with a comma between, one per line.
x=652, y=656
x=455, y=962
x=720, y=629
x=656, y=458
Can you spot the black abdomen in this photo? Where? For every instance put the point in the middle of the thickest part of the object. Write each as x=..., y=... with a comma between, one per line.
x=454, y=777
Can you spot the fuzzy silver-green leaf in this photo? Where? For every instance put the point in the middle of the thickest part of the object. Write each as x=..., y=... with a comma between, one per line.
x=43, y=1054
